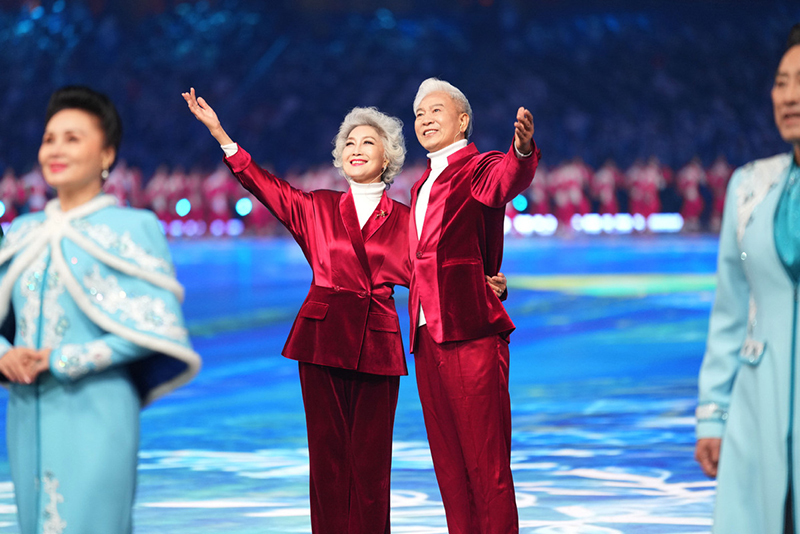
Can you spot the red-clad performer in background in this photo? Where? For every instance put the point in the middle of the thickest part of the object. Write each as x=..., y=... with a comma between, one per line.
x=347, y=334
x=459, y=328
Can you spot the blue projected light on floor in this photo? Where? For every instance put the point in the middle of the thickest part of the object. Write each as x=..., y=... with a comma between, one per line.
x=610, y=333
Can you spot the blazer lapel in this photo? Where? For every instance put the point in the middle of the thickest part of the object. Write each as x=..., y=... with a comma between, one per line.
x=378, y=217
x=347, y=208
x=413, y=239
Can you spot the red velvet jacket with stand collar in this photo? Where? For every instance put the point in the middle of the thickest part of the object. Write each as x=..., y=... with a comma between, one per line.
x=348, y=319
x=461, y=241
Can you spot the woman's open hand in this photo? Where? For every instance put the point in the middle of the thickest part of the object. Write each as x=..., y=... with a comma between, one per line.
x=206, y=114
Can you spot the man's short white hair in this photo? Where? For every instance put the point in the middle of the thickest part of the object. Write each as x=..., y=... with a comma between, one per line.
x=435, y=85
x=390, y=129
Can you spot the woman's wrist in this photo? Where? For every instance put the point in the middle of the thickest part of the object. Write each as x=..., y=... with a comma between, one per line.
x=221, y=136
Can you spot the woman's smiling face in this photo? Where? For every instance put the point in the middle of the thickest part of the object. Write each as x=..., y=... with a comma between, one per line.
x=73, y=151
x=363, y=158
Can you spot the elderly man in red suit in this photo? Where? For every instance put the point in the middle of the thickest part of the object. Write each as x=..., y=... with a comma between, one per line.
x=460, y=330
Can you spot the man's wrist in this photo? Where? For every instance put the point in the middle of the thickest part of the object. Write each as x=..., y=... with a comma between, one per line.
x=524, y=153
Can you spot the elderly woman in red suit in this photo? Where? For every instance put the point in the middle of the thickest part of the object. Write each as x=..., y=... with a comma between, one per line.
x=346, y=335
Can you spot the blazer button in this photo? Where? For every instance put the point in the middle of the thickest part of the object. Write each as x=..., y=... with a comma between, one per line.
x=336, y=288
x=362, y=294
x=419, y=255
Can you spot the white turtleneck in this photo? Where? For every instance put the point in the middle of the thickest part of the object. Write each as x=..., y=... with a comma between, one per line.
x=438, y=164
x=366, y=196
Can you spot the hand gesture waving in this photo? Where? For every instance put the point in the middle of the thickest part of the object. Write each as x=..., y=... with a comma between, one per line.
x=206, y=114
x=523, y=131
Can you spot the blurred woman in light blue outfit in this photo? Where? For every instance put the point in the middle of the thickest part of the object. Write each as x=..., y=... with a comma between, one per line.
x=749, y=406
x=90, y=305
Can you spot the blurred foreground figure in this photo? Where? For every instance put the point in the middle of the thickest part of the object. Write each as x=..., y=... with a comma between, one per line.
x=750, y=381
x=91, y=309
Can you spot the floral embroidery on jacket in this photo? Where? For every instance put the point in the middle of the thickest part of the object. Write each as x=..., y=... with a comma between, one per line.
x=19, y=232
x=758, y=180
x=148, y=313
x=55, y=319
x=53, y=524
x=123, y=245
x=711, y=411
x=79, y=359
x=36, y=281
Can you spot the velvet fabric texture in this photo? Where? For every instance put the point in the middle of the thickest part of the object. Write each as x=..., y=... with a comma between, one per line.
x=350, y=417
x=347, y=340
x=463, y=387
x=462, y=351
x=348, y=319
x=461, y=241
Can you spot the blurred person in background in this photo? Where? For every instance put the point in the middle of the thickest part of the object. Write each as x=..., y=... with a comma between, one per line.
x=89, y=297
x=604, y=188
x=12, y=194
x=688, y=180
x=718, y=176
x=346, y=336
x=749, y=385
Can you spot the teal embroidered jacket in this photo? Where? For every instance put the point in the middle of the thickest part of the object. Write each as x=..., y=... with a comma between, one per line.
x=96, y=285
x=748, y=387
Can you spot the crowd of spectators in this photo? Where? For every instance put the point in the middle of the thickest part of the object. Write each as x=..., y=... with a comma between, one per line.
x=650, y=86
x=210, y=200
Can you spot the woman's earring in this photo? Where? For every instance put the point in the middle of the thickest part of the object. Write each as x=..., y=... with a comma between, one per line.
x=104, y=174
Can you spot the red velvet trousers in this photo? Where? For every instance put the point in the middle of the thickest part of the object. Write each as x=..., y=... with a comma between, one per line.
x=349, y=420
x=463, y=387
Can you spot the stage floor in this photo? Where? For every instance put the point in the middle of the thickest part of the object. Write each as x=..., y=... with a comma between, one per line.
x=610, y=335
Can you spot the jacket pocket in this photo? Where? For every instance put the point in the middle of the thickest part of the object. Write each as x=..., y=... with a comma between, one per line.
x=383, y=322
x=314, y=310
x=752, y=351
x=460, y=261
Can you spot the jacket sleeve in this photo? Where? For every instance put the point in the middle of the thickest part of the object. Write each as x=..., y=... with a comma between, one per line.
x=498, y=177
x=727, y=326
x=292, y=207
x=72, y=362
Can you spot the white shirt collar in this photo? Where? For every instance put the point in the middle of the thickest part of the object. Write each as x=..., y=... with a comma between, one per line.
x=439, y=158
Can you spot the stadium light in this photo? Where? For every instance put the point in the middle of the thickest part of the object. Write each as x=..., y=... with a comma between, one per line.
x=183, y=207
x=244, y=206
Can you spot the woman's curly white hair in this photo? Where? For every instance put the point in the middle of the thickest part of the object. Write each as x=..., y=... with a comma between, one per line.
x=390, y=130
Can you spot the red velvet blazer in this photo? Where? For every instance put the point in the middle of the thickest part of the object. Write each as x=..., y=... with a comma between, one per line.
x=348, y=319
x=461, y=241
